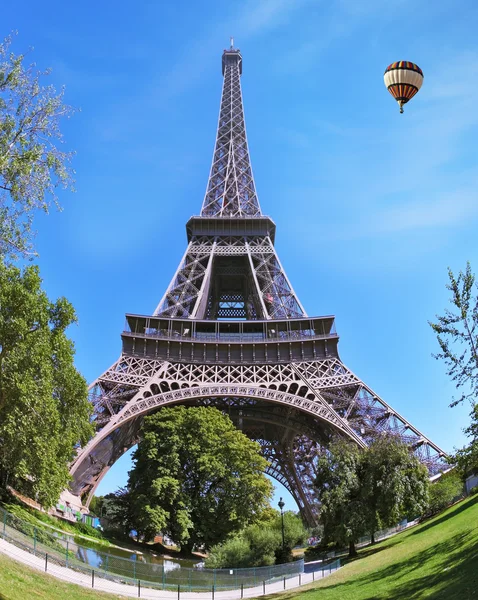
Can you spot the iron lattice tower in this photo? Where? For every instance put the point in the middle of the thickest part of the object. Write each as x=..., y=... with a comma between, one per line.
x=230, y=332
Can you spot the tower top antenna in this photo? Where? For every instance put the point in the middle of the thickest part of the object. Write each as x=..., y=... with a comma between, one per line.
x=232, y=42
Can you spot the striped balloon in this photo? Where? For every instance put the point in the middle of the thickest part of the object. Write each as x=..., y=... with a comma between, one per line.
x=403, y=80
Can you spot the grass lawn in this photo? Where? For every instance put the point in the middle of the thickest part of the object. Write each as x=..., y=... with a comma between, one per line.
x=19, y=582
x=438, y=559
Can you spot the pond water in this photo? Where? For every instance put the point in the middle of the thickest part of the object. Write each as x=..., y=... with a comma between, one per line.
x=98, y=556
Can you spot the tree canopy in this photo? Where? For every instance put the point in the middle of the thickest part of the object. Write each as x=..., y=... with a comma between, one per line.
x=32, y=162
x=44, y=410
x=339, y=486
x=362, y=490
x=196, y=477
x=394, y=483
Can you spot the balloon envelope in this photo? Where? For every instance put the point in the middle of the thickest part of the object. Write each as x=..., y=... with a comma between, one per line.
x=403, y=79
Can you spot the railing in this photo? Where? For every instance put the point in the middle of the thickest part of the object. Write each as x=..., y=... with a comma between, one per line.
x=57, y=548
x=245, y=332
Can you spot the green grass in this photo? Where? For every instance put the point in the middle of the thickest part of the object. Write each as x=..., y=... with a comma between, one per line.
x=18, y=582
x=46, y=521
x=438, y=559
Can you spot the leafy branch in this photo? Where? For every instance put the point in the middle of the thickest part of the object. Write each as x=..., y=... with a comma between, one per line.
x=32, y=163
x=457, y=335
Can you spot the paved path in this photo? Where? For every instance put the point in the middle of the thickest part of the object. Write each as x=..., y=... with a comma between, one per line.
x=132, y=591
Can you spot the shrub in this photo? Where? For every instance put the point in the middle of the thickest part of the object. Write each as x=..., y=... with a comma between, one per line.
x=257, y=546
x=232, y=553
x=86, y=529
x=263, y=544
x=444, y=492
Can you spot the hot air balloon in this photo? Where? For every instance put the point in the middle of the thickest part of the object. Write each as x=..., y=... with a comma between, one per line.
x=403, y=80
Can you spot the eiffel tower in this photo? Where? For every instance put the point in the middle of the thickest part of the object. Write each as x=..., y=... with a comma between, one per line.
x=231, y=333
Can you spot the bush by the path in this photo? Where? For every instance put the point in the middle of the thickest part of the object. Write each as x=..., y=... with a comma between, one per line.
x=260, y=545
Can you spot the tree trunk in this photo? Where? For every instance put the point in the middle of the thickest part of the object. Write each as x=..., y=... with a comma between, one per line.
x=187, y=548
x=352, y=551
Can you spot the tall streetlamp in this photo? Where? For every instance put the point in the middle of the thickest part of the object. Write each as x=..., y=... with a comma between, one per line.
x=281, y=506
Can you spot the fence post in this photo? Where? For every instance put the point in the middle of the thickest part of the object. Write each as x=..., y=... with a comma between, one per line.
x=106, y=563
x=92, y=578
x=264, y=587
x=284, y=582
x=242, y=590
x=139, y=588
x=34, y=541
x=66, y=553
x=4, y=523
x=179, y=591
x=134, y=567
x=300, y=579
x=46, y=562
x=313, y=575
x=212, y=592
x=162, y=578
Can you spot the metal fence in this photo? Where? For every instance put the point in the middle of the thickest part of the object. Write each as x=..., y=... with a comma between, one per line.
x=57, y=548
x=365, y=541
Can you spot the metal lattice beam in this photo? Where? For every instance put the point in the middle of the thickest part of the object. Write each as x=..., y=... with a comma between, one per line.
x=231, y=190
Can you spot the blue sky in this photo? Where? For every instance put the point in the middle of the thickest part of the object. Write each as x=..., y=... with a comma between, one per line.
x=371, y=206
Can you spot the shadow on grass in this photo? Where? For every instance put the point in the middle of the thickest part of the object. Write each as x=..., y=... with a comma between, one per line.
x=455, y=577
x=370, y=550
x=459, y=508
x=447, y=550
x=449, y=569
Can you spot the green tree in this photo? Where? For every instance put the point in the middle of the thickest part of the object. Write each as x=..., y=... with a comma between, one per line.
x=362, y=490
x=44, y=410
x=97, y=505
x=32, y=162
x=466, y=458
x=444, y=491
x=394, y=483
x=114, y=510
x=196, y=477
x=457, y=334
x=339, y=486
